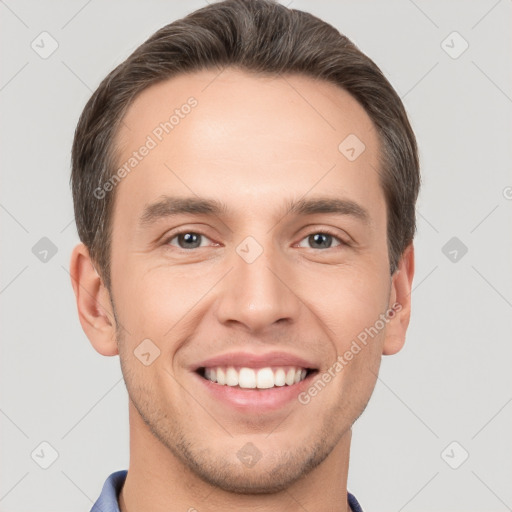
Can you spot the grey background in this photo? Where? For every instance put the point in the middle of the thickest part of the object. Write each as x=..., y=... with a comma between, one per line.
x=452, y=380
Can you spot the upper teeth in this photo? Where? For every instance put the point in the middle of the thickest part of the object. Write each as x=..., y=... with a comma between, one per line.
x=261, y=378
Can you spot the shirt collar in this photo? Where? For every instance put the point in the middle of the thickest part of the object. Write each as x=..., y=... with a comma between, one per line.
x=108, y=500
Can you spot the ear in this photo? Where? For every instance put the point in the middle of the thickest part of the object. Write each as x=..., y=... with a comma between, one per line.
x=93, y=301
x=401, y=297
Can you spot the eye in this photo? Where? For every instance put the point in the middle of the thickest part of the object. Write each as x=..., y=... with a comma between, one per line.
x=322, y=240
x=187, y=240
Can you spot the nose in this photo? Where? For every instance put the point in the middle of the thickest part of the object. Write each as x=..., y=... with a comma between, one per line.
x=256, y=295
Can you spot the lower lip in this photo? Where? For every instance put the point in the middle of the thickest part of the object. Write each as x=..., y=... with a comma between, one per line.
x=256, y=400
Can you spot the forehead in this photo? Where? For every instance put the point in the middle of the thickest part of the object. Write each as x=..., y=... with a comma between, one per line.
x=245, y=137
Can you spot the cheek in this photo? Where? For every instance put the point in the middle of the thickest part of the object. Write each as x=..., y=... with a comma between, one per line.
x=346, y=299
x=158, y=302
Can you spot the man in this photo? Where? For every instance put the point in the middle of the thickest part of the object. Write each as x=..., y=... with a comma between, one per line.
x=244, y=188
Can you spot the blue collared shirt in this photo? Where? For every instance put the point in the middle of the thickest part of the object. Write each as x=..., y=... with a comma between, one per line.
x=107, y=502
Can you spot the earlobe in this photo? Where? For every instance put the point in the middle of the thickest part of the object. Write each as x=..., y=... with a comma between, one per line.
x=93, y=302
x=400, y=297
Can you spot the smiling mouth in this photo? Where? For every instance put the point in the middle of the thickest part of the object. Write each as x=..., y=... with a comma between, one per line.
x=255, y=378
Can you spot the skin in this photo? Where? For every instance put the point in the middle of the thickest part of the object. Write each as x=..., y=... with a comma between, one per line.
x=255, y=143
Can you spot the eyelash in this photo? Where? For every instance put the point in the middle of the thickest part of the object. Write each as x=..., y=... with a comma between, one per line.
x=319, y=232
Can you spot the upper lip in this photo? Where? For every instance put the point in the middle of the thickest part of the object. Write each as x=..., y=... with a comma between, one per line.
x=252, y=360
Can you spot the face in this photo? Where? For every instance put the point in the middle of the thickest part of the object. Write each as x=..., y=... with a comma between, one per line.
x=245, y=238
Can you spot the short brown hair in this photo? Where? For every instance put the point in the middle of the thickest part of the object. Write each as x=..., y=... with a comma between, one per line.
x=258, y=36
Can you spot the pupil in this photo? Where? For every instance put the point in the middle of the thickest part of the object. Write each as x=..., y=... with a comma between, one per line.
x=322, y=239
x=318, y=238
x=190, y=239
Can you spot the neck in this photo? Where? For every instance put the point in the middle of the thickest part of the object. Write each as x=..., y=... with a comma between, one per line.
x=158, y=481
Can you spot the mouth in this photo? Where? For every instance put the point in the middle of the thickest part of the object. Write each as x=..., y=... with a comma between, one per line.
x=255, y=384
x=247, y=378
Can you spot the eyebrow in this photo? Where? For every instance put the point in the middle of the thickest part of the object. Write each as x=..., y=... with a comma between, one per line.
x=169, y=206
